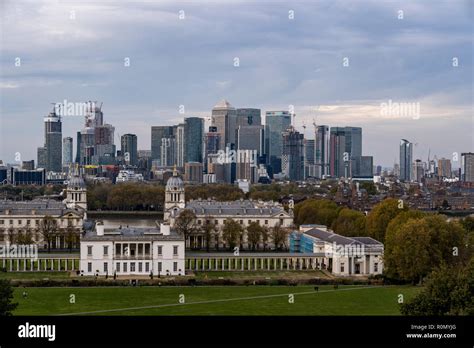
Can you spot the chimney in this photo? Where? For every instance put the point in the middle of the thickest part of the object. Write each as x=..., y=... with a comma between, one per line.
x=100, y=228
x=165, y=229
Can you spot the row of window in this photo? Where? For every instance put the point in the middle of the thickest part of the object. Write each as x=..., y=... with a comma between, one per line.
x=36, y=222
x=160, y=250
x=216, y=222
x=133, y=267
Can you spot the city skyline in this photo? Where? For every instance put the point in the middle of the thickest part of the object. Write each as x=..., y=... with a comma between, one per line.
x=295, y=62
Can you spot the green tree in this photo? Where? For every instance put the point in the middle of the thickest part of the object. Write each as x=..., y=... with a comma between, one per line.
x=254, y=234
x=48, y=229
x=6, y=298
x=312, y=211
x=186, y=223
x=381, y=215
x=279, y=236
x=447, y=291
x=350, y=223
x=231, y=233
x=265, y=236
x=208, y=229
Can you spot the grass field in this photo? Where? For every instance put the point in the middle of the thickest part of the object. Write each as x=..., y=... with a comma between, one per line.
x=215, y=300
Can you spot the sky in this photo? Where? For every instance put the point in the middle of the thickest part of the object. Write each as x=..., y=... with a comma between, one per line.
x=337, y=63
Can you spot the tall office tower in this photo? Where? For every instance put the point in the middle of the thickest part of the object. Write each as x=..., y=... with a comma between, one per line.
x=211, y=146
x=168, y=152
x=378, y=170
x=276, y=122
x=322, y=151
x=309, y=158
x=96, y=141
x=224, y=118
x=246, y=166
x=157, y=134
x=129, y=148
x=251, y=138
x=418, y=170
x=444, y=168
x=293, y=154
x=194, y=137
x=362, y=167
x=52, y=159
x=78, y=147
x=353, y=137
x=193, y=172
x=42, y=157
x=249, y=117
x=28, y=165
x=104, y=148
x=180, y=143
x=67, y=151
x=467, y=167
x=406, y=160
x=339, y=158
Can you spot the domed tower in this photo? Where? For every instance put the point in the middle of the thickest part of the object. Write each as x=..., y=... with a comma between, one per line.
x=174, y=195
x=76, y=193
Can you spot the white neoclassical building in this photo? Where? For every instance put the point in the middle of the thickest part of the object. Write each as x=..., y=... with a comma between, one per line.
x=343, y=256
x=267, y=214
x=132, y=251
x=22, y=221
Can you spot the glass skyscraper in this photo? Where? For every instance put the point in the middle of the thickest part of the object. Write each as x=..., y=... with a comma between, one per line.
x=406, y=160
x=193, y=139
x=276, y=122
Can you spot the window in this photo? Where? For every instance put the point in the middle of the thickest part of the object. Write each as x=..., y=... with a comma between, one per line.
x=342, y=267
x=249, y=221
x=106, y=267
x=216, y=222
x=160, y=249
x=2, y=222
x=117, y=266
x=266, y=222
x=175, y=267
x=175, y=250
x=199, y=222
x=241, y=222
x=19, y=222
x=106, y=250
x=132, y=266
x=125, y=267
x=28, y=222
x=89, y=250
x=11, y=222
x=160, y=267
x=89, y=267
x=140, y=267
x=147, y=249
x=376, y=267
x=147, y=267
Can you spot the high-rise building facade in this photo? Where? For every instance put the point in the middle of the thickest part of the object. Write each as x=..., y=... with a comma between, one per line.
x=362, y=167
x=194, y=137
x=67, y=151
x=276, y=122
x=418, y=171
x=322, y=151
x=224, y=118
x=467, y=166
x=293, y=154
x=193, y=172
x=309, y=158
x=249, y=117
x=157, y=134
x=444, y=168
x=180, y=143
x=52, y=153
x=251, y=138
x=129, y=148
x=406, y=160
x=353, y=136
x=339, y=158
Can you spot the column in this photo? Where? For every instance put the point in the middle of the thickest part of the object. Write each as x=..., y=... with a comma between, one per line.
x=242, y=263
x=262, y=261
x=52, y=265
x=255, y=263
x=31, y=265
x=18, y=264
x=223, y=262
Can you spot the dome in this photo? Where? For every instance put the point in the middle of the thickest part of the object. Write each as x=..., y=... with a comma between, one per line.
x=174, y=183
x=76, y=182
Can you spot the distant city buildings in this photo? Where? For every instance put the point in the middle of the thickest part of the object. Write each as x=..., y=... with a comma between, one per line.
x=50, y=155
x=129, y=148
x=467, y=167
x=276, y=122
x=67, y=151
x=406, y=160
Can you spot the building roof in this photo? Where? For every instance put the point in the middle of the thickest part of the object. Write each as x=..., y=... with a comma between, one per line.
x=175, y=182
x=133, y=234
x=239, y=207
x=223, y=104
x=331, y=237
x=76, y=182
x=36, y=207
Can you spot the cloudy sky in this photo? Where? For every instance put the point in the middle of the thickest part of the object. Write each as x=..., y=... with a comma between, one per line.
x=336, y=62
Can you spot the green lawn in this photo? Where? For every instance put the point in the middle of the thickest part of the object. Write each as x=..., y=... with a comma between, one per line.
x=260, y=274
x=219, y=300
x=34, y=275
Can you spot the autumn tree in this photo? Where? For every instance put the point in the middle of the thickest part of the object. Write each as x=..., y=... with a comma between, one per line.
x=312, y=211
x=48, y=229
x=6, y=298
x=265, y=236
x=186, y=223
x=254, y=234
x=381, y=215
x=231, y=233
x=350, y=223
